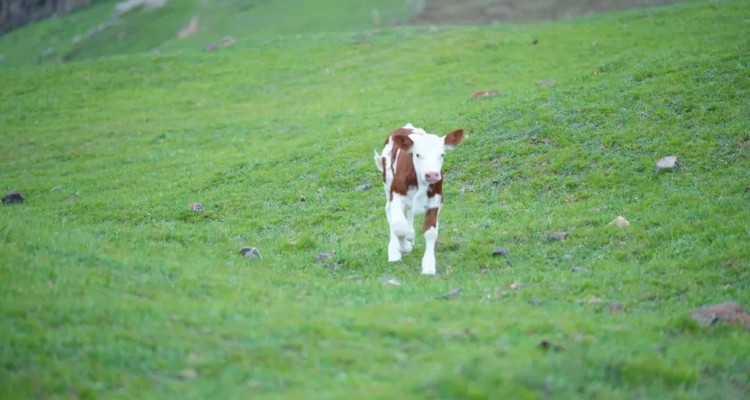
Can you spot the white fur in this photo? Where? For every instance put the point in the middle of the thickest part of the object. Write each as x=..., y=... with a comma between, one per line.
x=427, y=155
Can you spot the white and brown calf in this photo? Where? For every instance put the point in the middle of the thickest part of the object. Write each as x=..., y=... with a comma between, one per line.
x=412, y=166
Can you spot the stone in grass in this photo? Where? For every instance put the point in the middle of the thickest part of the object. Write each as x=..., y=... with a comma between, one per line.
x=450, y=294
x=390, y=280
x=228, y=41
x=188, y=374
x=484, y=93
x=668, y=162
x=580, y=270
x=13, y=197
x=363, y=187
x=250, y=252
x=729, y=312
x=324, y=256
x=619, y=222
x=557, y=235
x=545, y=344
x=197, y=207
x=500, y=251
x=546, y=82
x=614, y=307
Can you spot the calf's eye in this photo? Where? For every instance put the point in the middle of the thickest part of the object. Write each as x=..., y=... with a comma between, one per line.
x=419, y=155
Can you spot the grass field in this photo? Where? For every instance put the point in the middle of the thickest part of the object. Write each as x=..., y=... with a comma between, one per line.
x=112, y=287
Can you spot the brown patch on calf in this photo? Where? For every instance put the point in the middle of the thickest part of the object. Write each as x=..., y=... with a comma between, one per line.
x=399, y=131
x=401, y=139
x=435, y=188
x=405, y=176
x=402, y=165
x=430, y=219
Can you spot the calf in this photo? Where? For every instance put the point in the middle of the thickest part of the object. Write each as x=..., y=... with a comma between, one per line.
x=411, y=163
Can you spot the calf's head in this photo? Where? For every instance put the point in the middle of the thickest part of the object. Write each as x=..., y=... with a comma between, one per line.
x=427, y=151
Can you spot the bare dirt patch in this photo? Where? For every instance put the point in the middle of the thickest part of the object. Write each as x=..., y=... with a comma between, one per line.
x=496, y=11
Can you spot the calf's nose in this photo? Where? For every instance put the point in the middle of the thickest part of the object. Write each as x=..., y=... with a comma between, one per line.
x=432, y=177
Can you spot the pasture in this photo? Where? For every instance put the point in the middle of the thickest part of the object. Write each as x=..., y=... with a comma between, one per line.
x=111, y=286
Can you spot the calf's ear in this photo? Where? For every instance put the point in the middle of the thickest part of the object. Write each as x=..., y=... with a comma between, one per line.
x=402, y=140
x=453, y=139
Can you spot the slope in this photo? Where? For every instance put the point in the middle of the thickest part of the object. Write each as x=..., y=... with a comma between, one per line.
x=113, y=287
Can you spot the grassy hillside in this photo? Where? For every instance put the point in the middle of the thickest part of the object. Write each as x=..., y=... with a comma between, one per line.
x=93, y=32
x=111, y=287
x=97, y=30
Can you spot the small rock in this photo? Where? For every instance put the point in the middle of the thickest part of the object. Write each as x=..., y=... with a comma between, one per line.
x=46, y=53
x=13, y=197
x=250, y=252
x=228, y=41
x=451, y=294
x=188, y=374
x=190, y=28
x=567, y=257
x=210, y=47
x=557, y=235
x=729, y=312
x=619, y=222
x=535, y=41
x=545, y=344
x=484, y=93
x=667, y=162
x=515, y=285
x=580, y=270
x=193, y=358
x=363, y=187
x=390, y=280
x=614, y=307
x=325, y=256
x=197, y=207
x=545, y=82
x=500, y=251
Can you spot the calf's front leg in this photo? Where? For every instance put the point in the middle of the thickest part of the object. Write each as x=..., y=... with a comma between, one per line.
x=399, y=228
x=430, y=239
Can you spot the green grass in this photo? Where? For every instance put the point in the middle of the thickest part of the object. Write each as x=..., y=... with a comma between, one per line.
x=155, y=30
x=116, y=292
